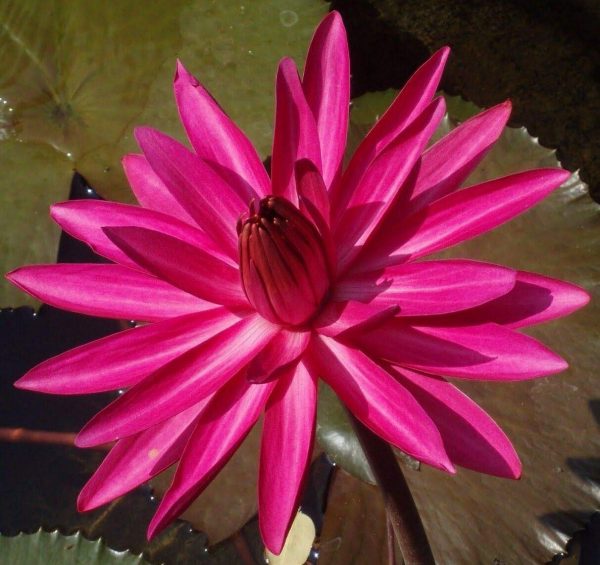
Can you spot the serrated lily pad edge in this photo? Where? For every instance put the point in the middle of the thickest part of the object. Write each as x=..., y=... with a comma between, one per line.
x=100, y=551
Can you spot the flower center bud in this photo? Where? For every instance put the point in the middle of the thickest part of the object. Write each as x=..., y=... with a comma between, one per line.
x=282, y=262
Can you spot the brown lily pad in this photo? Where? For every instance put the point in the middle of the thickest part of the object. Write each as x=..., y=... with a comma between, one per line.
x=354, y=529
x=553, y=422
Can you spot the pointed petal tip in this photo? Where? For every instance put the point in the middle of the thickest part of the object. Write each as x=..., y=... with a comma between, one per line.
x=438, y=105
x=22, y=278
x=158, y=523
x=183, y=76
x=500, y=111
x=274, y=540
x=82, y=502
x=12, y=275
x=146, y=135
x=448, y=467
x=580, y=297
x=141, y=132
x=130, y=159
x=561, y=365
x=86, y=501
x=274, y=546
x=332, y=20
x=443, y=53
x=286, y=65
x=551, y=364
x=515, y=467
x=59, y=209
x=84, y=439
x=32, y=383
x=180, y=70
x=25, y=383
x=560, y=175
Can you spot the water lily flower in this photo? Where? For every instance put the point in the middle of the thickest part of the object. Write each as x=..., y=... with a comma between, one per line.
x=255, y=286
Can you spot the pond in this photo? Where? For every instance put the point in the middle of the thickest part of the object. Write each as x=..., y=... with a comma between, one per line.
x=75, y=80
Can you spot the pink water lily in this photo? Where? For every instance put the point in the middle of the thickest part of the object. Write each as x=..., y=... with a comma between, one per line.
x=255, y=286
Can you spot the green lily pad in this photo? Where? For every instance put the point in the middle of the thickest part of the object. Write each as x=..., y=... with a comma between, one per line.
x=553, y=422
x=336, y=437
x=53, y=548
x=76, y=77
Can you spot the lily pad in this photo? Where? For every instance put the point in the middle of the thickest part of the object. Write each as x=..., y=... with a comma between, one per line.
x=553, y=422
x=354, y=529
x=53, y=548
x=76, y=77
x=336, y=437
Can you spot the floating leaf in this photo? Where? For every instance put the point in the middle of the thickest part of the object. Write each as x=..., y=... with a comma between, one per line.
x=336, y=437
x=354, y=530
x=28, y=233
x=76, y=77
x=44, y=548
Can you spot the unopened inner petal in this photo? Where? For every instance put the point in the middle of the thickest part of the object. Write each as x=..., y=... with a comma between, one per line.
x=282, y=262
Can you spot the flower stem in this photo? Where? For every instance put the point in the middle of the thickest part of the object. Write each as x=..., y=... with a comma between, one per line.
x=399, y=503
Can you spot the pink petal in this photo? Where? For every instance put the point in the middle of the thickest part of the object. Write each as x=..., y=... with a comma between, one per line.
x=326, y=85
x=428, y=288
x=485, y=352
x=379, y=401
x=461, y=216
x=450, y=161
x=312, y=194
x=134, y=354
x=314, y=204
x=383, y=181
x=285, y=348
x=339, y=317
x=410, y=102
x=183, y=265
x=295, y=136
x=217, y=139
x=179, y=384
x=472, y=439
x=533, y=300
x=109, y=291
x=221, y=428
x=287, y=440
x=149, y=190
x=136, y=459
x=84, y=219
x=213, y=204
